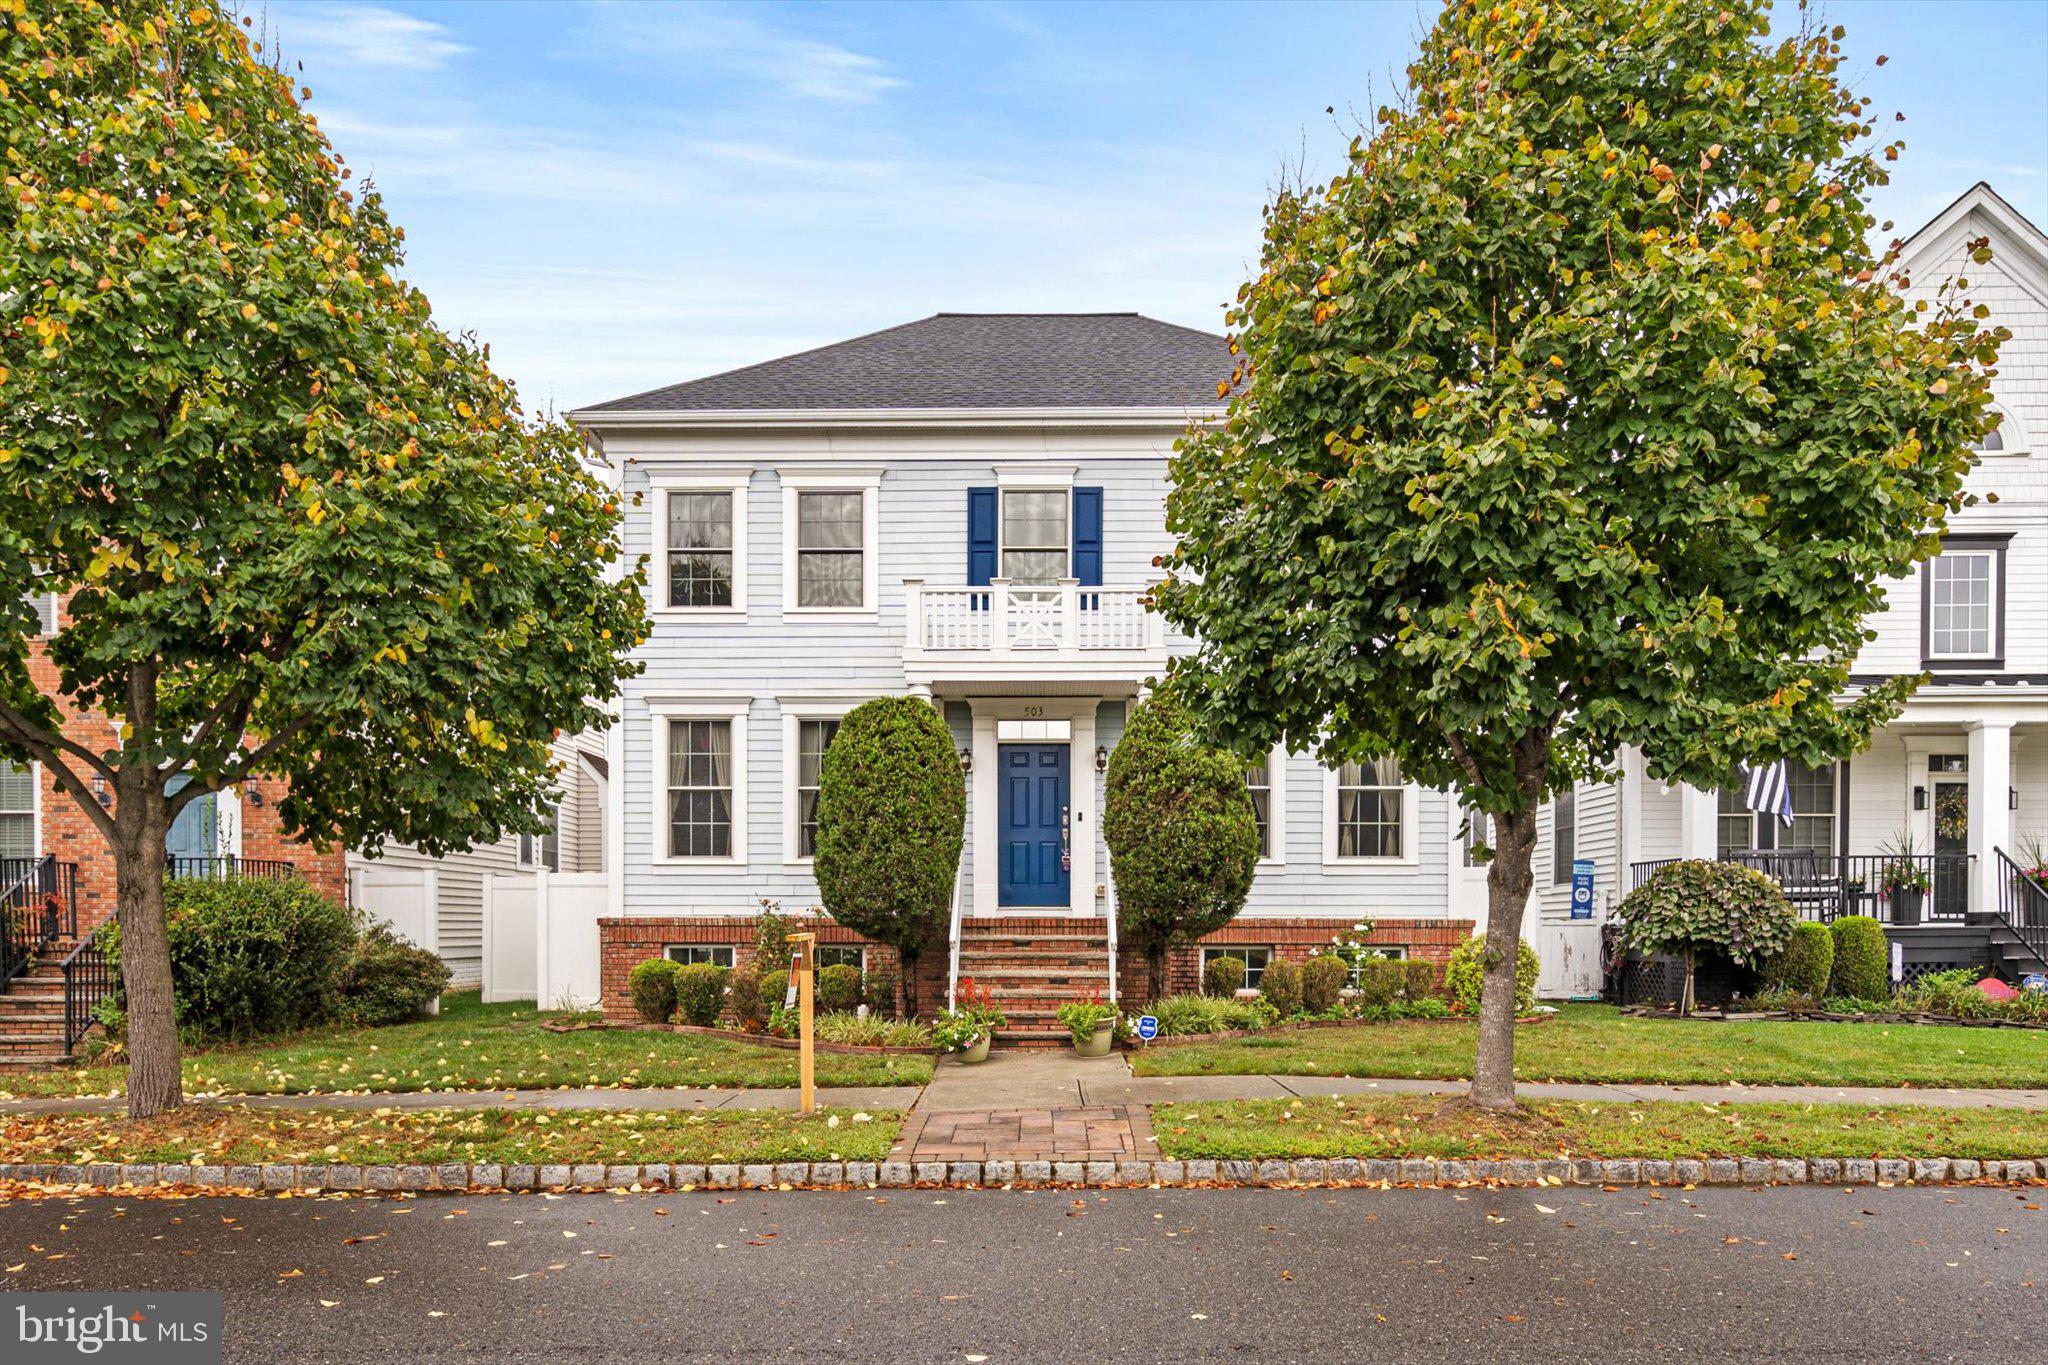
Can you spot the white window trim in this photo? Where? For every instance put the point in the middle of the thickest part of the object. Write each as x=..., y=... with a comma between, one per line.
x=734, y=483
x=1036, y=478
x=1276, y=808
x=2011, y=431
x=1410, y=800
x=1991, y=557
x=1032, y=485
x=668, y=950
x=526, y=856
x=867, y=483
x=1212, y=951
x=1565, y=880
x=660, y=714
x=794, y=714
x=35, y=807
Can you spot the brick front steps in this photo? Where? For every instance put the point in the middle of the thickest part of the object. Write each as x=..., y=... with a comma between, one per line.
x=32, y=1013
x=1013, y=1174
x=1030, y=967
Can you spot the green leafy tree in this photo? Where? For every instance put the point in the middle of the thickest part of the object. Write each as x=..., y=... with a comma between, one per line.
x=1182, y=834
x=1689, y=907
x=892, y=809
x=304, y=532
x=1577, y=412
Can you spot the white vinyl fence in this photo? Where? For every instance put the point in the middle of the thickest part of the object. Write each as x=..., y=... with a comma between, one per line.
x=405, y=898
x=1570, y=953
x=540, y=938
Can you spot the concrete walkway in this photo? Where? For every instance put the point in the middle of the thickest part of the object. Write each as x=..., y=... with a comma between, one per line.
x=1057, y=1080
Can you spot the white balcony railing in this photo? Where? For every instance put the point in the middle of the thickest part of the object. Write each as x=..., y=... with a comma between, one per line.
x=1034, y=619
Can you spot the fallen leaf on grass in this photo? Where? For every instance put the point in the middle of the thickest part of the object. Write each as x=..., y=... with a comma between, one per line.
x=330, y=1303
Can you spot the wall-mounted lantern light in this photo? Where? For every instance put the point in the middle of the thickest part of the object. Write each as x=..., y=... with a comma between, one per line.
x=1919, y=798
x=1101, y=759
x=966, y=759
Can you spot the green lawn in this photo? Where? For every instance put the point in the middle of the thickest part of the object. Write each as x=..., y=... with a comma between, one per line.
x=1595, y=1043
x=1408, y=1126
x=230, y=1136
x=474, y=1046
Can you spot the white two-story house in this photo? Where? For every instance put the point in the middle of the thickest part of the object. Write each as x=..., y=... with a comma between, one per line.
x=1959, y=783
x=967, y=509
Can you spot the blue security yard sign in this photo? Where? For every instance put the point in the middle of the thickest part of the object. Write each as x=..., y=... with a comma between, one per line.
x=1148, y=1026
x=2034, y=981
x=1582, y=888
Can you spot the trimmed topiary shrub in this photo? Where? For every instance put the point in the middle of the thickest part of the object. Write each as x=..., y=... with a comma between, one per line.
x=1691, y=907
x=1280, y=986
x=1425, y=980
x=1806, y=963
x=652, y=984
x=892, y=805
x=700, y=992
x=1223, y=976
x=1380, y=982
x=387, y=980
x=839, y=988
x=1463, y=973
x=1861, y=969
x=743, y=994
x=250, y=956
x=1183, y=837
x=1322, y=982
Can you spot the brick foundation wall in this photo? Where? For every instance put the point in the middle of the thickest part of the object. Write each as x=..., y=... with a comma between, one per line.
x=69, y=835
x=1291, y=939
x=625, y=942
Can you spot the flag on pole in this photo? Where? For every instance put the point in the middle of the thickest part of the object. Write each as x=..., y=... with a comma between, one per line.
x=1770, y=790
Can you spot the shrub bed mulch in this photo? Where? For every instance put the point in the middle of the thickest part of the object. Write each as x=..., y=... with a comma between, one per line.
x=736, y=1036
x=1297, y=1025
x=1728, y=1016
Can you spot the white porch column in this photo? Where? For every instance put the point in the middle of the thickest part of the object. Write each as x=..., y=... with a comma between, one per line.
x=982, y=798
x=1990, y=749
x=1698, y=823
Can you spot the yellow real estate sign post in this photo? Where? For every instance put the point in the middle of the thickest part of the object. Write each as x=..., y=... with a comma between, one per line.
x=801, y=963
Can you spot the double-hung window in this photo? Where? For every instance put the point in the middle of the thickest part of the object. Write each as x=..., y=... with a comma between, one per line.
x=813, y=738
x=17, y=811
x=1816, y=798
x=1037, y=540
x=828, y=537
x=701, y=765
x=1478, y=836
x=544, y=850
x=1258, y=782
x=1963, y=603
x=700, y=544
x=1371, y=811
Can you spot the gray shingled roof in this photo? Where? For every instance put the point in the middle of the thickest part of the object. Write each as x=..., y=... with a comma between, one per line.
x=972, y=360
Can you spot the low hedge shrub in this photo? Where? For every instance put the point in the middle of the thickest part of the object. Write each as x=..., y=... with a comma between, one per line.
x=387, y=980
x=1861, y=968
x=1183, y=1015
x=1280, y=985
x=652, y=985
x=839, y=989
x=872, y=1031
x=1425, y=980
x=1466, y=969
x=1380, y=983
x=700, y=992
x=1807, y=962
x=1322, y=983
x=1223, y=975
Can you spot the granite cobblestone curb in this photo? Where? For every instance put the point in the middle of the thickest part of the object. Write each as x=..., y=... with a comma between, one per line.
x=1300, y=1172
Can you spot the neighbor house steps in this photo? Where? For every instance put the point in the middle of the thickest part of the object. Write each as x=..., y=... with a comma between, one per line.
x=32, y=1014
x=1030, y=974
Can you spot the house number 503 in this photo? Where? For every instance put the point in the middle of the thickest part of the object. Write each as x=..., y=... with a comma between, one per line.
x=1033, y=712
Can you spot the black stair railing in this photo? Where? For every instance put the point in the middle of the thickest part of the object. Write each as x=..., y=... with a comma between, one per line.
x=38, y=906
x=215, y=869
x=88, y=979
x=2023, y=905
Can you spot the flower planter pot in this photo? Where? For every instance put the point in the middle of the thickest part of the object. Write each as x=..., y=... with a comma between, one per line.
x=976, y=1053
x=1905, y=901
x=1098, y=1042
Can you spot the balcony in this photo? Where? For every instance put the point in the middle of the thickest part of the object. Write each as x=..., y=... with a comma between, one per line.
x=960, y=638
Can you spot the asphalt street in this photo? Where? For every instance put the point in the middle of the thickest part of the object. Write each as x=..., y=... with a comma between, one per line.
x=1797, y=1273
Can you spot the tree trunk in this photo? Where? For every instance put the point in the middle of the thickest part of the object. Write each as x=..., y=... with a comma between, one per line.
x=155, y=1084
x=906, y=985
x=1155, y=971
x=1508, y=880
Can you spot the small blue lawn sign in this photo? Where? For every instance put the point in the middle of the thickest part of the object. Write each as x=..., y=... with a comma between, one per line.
x=1582, y=888
x=1148, y=1026
x=2034, y=981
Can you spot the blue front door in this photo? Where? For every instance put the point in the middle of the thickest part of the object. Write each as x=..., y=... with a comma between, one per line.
x=1033, y=818
x=195, y=832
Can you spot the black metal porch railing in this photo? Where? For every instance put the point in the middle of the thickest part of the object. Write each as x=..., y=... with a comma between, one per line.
x=2023, y=905
x=218, y=868
x=38, y=905
x=1896, y=889
x=88, y=979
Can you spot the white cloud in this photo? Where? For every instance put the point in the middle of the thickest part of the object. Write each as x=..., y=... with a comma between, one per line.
x=365, y=35
x=799, y=66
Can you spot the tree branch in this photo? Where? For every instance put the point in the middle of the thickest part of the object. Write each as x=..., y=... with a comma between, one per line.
x=28, y=734
x=36, y=742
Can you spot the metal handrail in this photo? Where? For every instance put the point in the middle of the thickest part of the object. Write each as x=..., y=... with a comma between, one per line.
x=953, y=937
x=1826, y=886
x=1110, y=912
x=38, y=906
x=183, y=866
x=2023, y=904
x=88, y=979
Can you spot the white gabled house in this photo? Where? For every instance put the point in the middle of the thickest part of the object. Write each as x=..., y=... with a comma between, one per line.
x=1961, y=778
x=964, y=508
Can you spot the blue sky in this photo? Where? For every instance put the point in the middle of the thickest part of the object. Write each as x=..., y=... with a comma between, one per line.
x=621, y=195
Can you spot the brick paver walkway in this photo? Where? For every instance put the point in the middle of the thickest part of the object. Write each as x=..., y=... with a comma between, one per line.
x=1097, y=1133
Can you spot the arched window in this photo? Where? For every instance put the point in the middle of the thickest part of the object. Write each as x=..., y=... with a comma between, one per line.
x=2009, y=437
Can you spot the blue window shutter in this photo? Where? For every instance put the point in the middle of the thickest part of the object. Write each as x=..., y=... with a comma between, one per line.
x=981, y=536
x=1088, y=536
